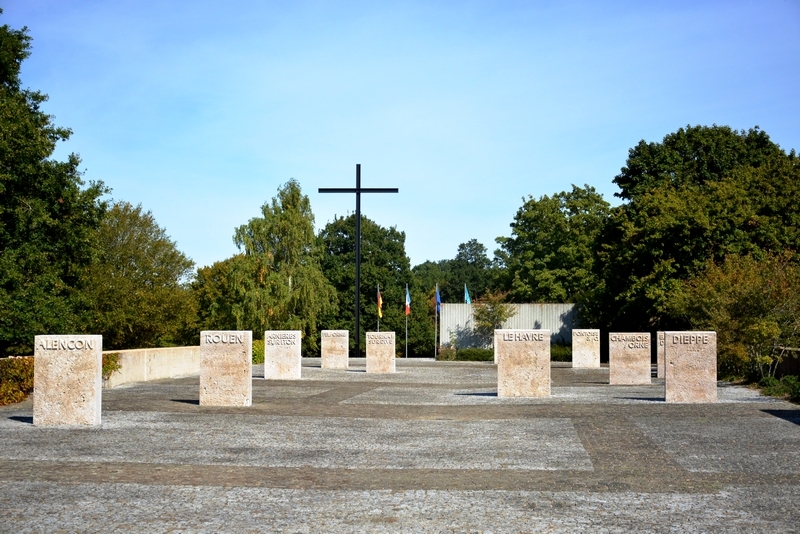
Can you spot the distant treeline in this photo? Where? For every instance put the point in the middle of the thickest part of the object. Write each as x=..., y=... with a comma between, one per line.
x=706, y=237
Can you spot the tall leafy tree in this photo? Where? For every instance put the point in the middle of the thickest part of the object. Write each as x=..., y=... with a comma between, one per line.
x=550, y=254
x=138, y=288
x=471, y=266
x=279, y=277
x=702, y=194
x=383, y=262
x=47, y=219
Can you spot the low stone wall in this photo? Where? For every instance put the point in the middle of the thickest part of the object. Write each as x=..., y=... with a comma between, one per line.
x=141, y=365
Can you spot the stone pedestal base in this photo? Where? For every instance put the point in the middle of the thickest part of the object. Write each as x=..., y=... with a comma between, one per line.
x=226, y=368
x=282, y=355
x=691, y=366
x=523, y=363
x=335, y=345
x=380, y=352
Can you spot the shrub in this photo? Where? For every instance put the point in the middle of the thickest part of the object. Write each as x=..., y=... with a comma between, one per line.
x=446, y=354
x=258, y=351
x=475, y=355
x=16, y=379
x=788, y=386
x=110, y=364
x=560, y=353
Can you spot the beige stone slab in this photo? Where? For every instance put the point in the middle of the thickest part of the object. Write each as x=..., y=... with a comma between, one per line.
x=523, y=363
x=586, y=348
x=660, y=354
x=67, y=380
x=380, y=352
x=335, y=348
x=690, y=366
x=628, y=358
x=282, y=354
x=226, y=359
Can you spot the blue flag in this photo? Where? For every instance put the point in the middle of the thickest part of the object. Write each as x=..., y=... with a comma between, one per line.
x=467, y=300
x=438, y=300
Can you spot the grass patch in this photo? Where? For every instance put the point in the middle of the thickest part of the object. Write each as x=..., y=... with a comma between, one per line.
x=258, y=351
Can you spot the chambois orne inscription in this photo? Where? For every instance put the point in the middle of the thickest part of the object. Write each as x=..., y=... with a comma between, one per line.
x=634, y=341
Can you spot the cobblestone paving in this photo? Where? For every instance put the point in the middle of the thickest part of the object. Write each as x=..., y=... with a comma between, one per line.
x=428, y=449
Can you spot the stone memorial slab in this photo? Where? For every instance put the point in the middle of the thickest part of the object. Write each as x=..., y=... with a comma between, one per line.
x=380, y=352
x=690, y=366
x=282, y=356
x=660, y=336
x=523, y=363
x=629, y=358
x=226, y=359
x=586, y=348
x=335, y=345
x=67, y=380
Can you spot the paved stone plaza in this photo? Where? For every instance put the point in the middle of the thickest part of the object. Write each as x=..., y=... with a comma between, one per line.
x=430, y=448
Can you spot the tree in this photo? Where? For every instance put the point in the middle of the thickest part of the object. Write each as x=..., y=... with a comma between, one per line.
x=47, y=221
x=490, y=313
x=550, y=254
x=701, y=195
x=279, y=277
x=383, y=262
x=752, y=304
x=470, y=267
x=215, y=295
x=138, y=288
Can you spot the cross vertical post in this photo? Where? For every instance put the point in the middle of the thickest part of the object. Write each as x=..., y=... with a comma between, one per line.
x=358, y=190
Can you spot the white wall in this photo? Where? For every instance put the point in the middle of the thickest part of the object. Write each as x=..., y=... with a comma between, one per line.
x=457, y=319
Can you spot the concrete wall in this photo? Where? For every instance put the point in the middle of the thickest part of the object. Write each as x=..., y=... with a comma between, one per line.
x=141, y=365
x=457, y=319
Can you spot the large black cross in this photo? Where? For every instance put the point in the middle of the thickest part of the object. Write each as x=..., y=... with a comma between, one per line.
x=358, y=190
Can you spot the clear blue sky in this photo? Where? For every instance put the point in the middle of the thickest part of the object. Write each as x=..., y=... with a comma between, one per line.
x=200, y=110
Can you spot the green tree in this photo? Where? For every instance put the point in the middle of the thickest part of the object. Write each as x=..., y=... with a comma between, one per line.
x=752, y=304
x=384, y=262
x=216, y=296
x=470, y=267
x=279, y=278
x=550, y=254
x=47, y=220
x=490, y=312
x=701, y=195
x=138, y=288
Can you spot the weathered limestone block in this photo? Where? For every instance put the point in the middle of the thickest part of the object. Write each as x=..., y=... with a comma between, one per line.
x=282, y=356
x=380, y=352
x=226, y=368
x=335, y=345
x=523, y=363
x=586, y=349
x=67, y=380
x=691, y=366
x=629, y=358
x=660, y=355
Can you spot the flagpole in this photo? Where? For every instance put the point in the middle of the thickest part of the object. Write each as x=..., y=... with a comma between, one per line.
x=379, y=307
x=408, y=308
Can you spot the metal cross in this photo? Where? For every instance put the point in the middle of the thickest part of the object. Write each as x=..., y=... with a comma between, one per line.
x=358, y=190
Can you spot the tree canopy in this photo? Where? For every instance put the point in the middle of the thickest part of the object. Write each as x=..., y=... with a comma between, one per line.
x=47, y=219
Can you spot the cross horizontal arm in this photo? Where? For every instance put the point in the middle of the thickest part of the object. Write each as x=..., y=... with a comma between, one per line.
x=361, y=190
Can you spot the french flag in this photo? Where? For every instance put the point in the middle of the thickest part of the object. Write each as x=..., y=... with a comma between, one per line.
x=408, y=302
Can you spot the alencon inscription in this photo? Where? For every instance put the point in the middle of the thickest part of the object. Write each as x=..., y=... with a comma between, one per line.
x=215, y=339
x=60, y=344
x=281, y=339
x=523, y=336
x=637, y=341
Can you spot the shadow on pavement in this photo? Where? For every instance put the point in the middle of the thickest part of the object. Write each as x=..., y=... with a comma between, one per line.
x=196, y=402
x=22, y=419
x=793, y=416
